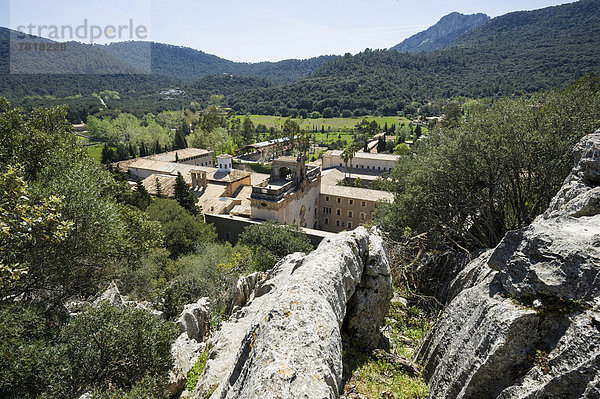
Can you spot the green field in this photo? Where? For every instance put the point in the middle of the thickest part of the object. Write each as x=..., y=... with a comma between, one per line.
x=331, y=124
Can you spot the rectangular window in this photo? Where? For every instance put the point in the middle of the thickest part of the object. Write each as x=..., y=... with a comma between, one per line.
x=351, y=202
x=349, y=225
x=364, y=203
x=349, y=214
x=337, y=223
x=338, y=212
x=363, y=216
x=339, y=200
x=327, y=199
x=326, y=221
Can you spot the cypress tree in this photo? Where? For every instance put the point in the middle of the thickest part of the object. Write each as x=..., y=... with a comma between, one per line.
x=184, y=195
x=141, y=196
x=180, y=142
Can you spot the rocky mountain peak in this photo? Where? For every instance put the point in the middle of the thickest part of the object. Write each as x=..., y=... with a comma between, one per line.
x=449, y=28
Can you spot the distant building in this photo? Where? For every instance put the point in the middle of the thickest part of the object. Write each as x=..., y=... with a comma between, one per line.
x=79, y=127
x=295, y=192
x=362, y=161
x=218, y=190
x=225, y=162
x=291, y=195
x=188, y=156
x=264, y=148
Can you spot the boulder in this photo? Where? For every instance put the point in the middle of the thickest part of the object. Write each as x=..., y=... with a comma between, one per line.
x=522, y=319
x=112, y=296
x=244, y=288
x=185, y=352
x=286, y=342
x=194, y=326
x=194, y=320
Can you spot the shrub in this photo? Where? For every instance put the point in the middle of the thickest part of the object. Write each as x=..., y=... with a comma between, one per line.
x=30, y=354
x=280, y=240
x=114, y=348
x=494, y=170
x=194, y=373
x=183, y=231
x=211, y=272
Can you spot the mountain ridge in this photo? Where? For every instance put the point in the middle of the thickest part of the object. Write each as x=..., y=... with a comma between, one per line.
x=449, y=28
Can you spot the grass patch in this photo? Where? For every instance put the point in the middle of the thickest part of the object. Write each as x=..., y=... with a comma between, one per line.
x=194, y=373
x=374, y=376
x=333, y=124
x=95, y=151
x=550, y=305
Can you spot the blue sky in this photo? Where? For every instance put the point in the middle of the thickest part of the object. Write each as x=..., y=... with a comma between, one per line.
x=262, y=30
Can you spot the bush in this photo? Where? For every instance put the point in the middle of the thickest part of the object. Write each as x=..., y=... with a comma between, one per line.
x=494, y=171
x=280, y=240
x=182, y=230
x=31, y=359
x=114, y=348
x=103, y=349
x=211, y=272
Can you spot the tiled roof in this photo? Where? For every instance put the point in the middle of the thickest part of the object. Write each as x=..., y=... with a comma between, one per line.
x=181, y=154
x=356, y=193
x=365, y=155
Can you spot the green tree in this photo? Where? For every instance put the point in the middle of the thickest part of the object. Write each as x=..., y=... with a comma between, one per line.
x=185, y=196
x=183, y=232
x=348, y=155
x=27, y=230
x=493, y=172
x=452, y=115
x=290, y=128
x=212, y=119
x=402, y=149
x=180, y=142
x=248, y=130
x=110, y=348
x=105, y=234
x=140, y=198
x=108, y=154
x=280, y=240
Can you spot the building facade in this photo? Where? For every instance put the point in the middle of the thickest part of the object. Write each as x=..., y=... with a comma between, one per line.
x=291, y=195
x=362, y=161
x=345, y=208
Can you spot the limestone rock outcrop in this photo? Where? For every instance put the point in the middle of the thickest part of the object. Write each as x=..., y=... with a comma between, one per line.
x=194, y=320
x=286, y=341
x=244, y=289
x=113, y=297
x=523, y=318
x=194, y=326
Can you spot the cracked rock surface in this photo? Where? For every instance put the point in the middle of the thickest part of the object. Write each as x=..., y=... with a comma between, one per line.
x=286, y=341
x=523, y=318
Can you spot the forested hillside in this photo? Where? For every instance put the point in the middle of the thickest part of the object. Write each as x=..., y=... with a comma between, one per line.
x=521, y=52
x=512, y=54
x=189, y=64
